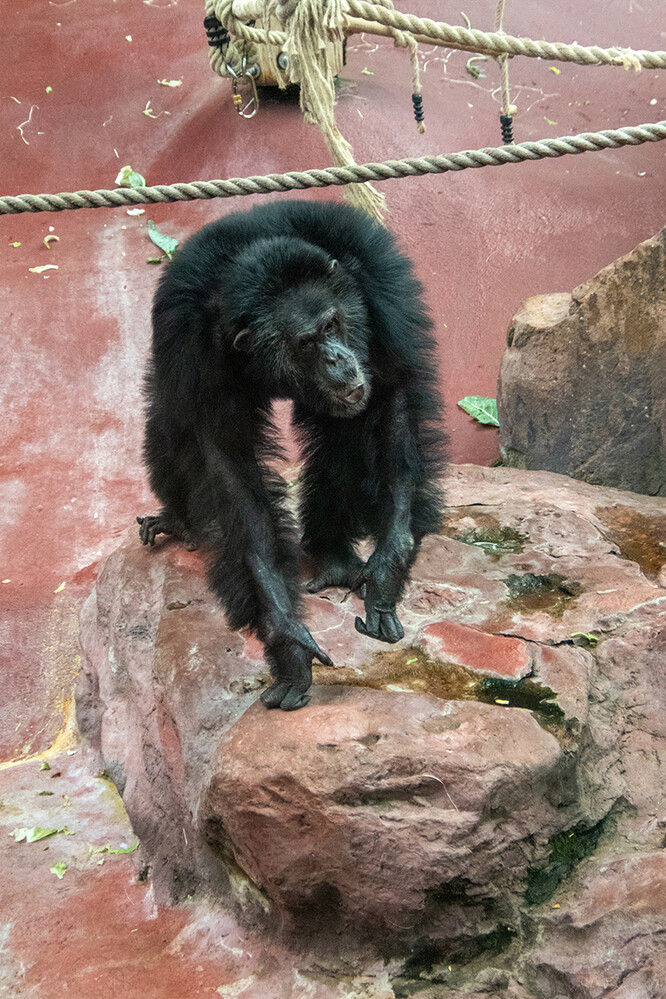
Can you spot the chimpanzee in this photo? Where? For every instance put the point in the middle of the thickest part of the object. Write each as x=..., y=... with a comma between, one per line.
x=311, y=302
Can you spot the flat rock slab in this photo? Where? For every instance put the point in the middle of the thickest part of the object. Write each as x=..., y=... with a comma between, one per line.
x=440, y=795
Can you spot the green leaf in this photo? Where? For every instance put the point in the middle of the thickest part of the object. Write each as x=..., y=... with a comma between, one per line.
x=36, y=833
x=107, y=848
x=130, y=178
x=45, y=766
x=592, y=640
x=166, y=243
x=481, y=408
x=59, y=869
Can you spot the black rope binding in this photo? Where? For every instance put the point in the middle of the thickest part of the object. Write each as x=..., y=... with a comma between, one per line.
x=218, y=37
x=417, y=101
x=506, y=121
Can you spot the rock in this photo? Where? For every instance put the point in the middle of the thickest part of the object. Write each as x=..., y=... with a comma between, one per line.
x=582, y=388
x=372, y=807
x=619, y=911
x=439, y=796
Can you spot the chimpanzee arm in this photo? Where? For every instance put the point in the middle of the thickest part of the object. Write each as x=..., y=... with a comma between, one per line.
x=387, y=569
x=254, y=572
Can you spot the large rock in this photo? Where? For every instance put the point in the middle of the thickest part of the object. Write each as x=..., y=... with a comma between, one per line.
x=441, y=796
x=582, y=388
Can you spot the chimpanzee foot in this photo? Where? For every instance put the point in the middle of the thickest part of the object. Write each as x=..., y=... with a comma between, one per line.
x=381, y=622
x=163, y=523
x=343, y=573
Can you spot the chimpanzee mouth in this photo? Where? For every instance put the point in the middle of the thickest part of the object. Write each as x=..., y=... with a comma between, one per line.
x=355, y=395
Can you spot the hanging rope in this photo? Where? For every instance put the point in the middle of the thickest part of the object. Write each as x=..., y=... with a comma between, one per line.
x=506, y=118
x=337, y=176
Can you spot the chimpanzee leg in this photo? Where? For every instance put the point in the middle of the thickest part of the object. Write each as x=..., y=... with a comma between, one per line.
x=167, y=453
x=402, y=475
x=254, y=570
x=327, y=512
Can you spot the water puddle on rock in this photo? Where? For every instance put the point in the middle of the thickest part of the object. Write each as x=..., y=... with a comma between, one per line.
x=487, y=533
x=412, y=671
x=640, y=538
x=530, y=593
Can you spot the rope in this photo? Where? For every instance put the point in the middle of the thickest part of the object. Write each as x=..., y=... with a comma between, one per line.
x=308, y=25
x=497, y=43
x=338, y=176
x=454, y=36
x=503, y=60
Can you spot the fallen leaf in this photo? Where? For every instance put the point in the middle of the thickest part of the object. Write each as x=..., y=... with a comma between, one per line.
x=36, y=833
x=130, y=178
x=166, y=243
x=59, y=870
x=107, y=848
x=482, y=409
x=44, y=267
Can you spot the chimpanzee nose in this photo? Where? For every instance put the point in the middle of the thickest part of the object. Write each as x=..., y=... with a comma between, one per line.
x=334, y=359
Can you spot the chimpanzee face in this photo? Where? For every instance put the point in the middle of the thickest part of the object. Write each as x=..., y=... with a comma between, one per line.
x=305, y=348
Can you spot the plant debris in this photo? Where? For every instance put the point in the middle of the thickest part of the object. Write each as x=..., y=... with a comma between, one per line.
x=481, y=408
x=130, y=178
x=36, y=833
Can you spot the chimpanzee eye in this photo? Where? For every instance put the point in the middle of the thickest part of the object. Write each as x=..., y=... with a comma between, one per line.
x=306, y=343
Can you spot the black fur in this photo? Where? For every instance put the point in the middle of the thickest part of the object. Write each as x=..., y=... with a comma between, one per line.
x=315, y=303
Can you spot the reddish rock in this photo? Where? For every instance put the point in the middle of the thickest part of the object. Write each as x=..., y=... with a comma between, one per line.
x=607, y=939
x=495, y=655
x=582, y=388
x=371, y=803
x=421, y=790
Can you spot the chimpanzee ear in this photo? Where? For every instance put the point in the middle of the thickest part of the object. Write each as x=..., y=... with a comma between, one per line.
x=242, y=340
x=333, y=266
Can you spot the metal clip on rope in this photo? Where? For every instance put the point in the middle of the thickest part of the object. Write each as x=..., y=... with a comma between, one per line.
x=241, y=103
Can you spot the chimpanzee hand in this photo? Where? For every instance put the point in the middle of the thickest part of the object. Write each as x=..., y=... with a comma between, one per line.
x=382, y=588
x=290, y=655
x=163, y=523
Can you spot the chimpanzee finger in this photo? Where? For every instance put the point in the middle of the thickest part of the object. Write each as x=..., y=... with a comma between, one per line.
x=272, y=697
x=359, y=624
x=373, y=620
x=320, y=654
x=146, y=530
x=392, y=630
x=294, y=699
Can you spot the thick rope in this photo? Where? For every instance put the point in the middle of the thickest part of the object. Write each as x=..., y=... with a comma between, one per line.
x=456, y=36
x=337, y=176
x=496, y=43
